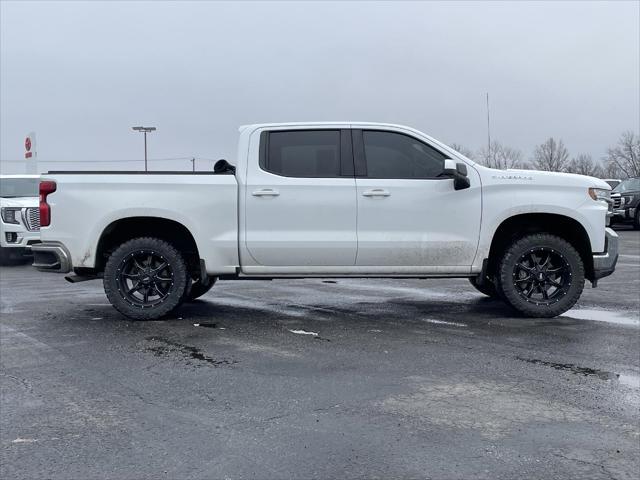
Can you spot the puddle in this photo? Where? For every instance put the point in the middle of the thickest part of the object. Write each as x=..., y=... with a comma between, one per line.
x=165, y=348
x=632, y=381
x=443, y=322
x=619, y=318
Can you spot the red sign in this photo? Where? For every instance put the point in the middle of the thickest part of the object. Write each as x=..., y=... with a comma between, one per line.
x=27, y=147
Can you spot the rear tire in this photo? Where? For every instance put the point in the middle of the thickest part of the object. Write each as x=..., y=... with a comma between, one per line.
x=541, y=275
x=487, y=287
x=145, y=278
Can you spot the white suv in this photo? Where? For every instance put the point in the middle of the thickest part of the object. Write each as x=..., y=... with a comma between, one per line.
x=19, y=215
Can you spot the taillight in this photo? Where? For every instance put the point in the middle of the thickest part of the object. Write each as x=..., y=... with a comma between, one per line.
x=46, y=188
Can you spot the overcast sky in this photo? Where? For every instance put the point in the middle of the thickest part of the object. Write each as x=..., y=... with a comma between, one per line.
x=80, y=74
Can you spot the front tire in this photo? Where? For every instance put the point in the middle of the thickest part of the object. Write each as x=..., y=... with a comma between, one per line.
x=145, y=278
x=541, y=275
x=636, y=220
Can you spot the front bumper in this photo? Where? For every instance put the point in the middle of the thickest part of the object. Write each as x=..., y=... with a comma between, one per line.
x=604, y=264
x=627, y=213
x=51, y=257
x=15, y=236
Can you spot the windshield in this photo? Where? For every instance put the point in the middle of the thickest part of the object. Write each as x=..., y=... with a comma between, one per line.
x=628, y=185
x=19, y=187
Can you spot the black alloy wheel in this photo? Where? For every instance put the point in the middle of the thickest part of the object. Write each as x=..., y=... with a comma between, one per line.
x=542, y=276
x=145, y=278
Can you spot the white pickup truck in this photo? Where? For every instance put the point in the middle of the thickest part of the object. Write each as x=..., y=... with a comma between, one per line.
x=339, y=199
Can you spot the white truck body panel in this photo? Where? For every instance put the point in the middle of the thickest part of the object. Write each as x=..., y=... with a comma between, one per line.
x=257, y=223
x=86, y=204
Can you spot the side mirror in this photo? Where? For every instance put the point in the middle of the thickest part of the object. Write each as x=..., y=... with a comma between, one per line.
x=457, y=171
x=222, y=166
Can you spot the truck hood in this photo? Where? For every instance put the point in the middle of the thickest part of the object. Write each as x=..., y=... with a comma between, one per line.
x=547, y=178
x=20, y=202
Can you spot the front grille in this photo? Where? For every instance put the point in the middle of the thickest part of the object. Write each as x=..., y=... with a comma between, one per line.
x=616, y=202
x=32, y=219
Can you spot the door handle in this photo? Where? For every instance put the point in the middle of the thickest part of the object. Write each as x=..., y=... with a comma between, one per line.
x=376, y=192
x=266, y=192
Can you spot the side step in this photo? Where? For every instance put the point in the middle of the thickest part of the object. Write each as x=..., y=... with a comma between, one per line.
x=73, y=278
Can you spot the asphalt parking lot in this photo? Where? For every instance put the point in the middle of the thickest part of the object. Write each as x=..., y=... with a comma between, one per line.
x=320, y=378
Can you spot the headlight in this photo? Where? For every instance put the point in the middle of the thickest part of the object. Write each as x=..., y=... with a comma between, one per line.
x=628, y=199
x=600, y=194
x=10, y=214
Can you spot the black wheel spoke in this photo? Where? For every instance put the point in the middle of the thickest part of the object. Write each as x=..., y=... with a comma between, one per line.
x=530, y=292
x=528, y=278
x=163, y=279
x=135, y=288
x=556, y=270
x=162, y=266
x=546, y=261
x=554, y=283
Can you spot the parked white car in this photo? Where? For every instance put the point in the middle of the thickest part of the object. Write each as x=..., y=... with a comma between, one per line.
x=329, y=200
x=19, y=215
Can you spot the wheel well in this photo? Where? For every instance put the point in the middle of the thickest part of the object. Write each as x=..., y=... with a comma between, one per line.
x=170, y=231
x=520, y=225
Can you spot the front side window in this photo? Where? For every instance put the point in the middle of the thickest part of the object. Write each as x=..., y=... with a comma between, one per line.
x=628, y=185
x=394, y=155
x=302, y=153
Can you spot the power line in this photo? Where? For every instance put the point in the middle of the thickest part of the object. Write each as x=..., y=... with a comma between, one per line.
x=108, y=161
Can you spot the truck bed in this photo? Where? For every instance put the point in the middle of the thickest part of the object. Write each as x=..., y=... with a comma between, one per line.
x=204, y=202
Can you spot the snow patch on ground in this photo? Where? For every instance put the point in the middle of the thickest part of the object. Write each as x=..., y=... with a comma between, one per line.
x=620, y=318
x=443, y=322
x=303, y=332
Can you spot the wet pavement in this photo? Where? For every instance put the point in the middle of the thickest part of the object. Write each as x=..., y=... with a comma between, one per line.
x=325, y=378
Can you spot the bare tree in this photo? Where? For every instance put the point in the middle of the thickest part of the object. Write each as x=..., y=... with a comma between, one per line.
x=626, y=154
x=458, y=147
x=552, y=156
x=583, y=164
x=501, y=157
x=611, y=170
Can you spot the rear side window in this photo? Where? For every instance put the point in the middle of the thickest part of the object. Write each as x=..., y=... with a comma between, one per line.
x=301, y=153
x=394, y=155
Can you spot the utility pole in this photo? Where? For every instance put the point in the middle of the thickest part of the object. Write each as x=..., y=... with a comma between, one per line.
x=193, y=164
x=144, y=130
x=488, y=129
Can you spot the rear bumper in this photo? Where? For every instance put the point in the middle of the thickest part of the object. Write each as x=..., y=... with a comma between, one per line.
x=604, y=264
x=51, y=257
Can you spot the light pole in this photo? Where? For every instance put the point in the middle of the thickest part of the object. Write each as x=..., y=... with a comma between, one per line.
x=144, y=130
